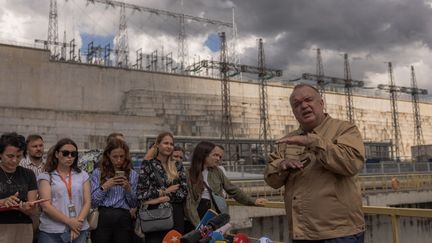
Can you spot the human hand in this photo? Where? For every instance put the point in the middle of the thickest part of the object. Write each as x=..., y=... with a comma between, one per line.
x=163, y=199
x=12, y=201
x=261, y=201
x=300, y=140
x=75, y=225
x=172, y=188
x=126, y=185
x=290, y=164
x=74, y=235
x=25, y=206
x=133, y=212
x=113, y=181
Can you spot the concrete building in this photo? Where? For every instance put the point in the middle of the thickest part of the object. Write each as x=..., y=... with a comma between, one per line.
x=86, y=102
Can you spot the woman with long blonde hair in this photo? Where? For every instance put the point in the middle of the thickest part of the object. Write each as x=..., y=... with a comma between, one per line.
x=162, y=183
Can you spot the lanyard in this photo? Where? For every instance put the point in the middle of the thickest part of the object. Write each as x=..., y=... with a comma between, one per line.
x=68, y=185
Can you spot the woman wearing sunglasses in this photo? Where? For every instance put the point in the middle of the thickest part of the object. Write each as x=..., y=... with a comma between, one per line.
x=64, y=217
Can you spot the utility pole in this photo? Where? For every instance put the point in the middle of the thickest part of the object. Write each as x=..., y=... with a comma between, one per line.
x=263, y=99
x=348, y=90
x=53, y=29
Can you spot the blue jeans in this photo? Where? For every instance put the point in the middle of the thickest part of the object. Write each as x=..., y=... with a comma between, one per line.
x=45, y=237
x=358, y=238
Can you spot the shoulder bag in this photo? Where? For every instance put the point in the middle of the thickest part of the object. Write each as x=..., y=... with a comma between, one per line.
x=218, y=201
x=158, y=219
x=93, y=218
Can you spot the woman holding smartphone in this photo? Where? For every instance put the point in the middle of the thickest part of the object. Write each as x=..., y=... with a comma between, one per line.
x=162, y=183
x=113, y=187
x=64, y=217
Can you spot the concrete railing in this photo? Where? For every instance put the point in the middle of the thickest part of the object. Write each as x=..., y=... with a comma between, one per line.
x=394, y=213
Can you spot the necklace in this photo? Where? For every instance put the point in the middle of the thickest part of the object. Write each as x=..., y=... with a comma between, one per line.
x=8, y=179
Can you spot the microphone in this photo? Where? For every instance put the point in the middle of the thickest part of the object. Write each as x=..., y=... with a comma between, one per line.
x=224, y=228
x=205, y=232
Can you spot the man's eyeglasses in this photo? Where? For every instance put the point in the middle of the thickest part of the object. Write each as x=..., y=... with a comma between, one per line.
x=66, y=153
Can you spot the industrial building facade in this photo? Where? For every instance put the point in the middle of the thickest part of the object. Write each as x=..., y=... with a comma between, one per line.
x=86, y=102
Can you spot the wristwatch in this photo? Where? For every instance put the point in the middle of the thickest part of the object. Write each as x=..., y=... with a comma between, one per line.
x=102, y=189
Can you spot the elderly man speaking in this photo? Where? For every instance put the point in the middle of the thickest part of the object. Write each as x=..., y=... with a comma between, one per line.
x=318, y=165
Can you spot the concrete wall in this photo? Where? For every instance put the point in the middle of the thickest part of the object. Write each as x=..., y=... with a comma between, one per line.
x=87, y=102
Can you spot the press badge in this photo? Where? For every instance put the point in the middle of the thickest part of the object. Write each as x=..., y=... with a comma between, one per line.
x=72, y=211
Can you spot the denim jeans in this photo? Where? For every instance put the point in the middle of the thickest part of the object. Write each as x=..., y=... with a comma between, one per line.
x=45, y=237
x=357, y=238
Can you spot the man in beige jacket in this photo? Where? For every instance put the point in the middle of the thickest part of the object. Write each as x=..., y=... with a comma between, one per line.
x=318, y=165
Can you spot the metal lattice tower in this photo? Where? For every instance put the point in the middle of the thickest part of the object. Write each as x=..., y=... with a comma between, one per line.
x=182, y=46
x=227, y=131
x=348, y=90
x=418, y=133
x=234, y=55
x=320, y=73
x=263, y=99
x=182, y=18
x=53, y=29
x=122, y=43
x=393, y=90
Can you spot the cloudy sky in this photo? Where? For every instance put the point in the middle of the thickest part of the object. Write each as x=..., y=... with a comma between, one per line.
x=372, y=32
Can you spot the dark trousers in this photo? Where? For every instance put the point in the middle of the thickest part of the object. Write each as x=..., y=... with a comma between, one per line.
x=178, y=218
x=114, y=226
x=358, y=238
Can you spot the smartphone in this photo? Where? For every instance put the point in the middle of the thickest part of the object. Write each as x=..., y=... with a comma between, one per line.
x=119, y=173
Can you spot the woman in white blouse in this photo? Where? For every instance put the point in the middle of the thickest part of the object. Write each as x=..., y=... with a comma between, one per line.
x=64, y=217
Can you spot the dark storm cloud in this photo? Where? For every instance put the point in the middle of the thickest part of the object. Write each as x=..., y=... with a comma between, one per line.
x=370, y=31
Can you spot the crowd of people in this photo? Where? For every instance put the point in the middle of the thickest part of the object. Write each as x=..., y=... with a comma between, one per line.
x=113, y=187
x=317, y=164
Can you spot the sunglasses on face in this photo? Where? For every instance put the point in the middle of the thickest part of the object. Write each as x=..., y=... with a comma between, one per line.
x=66, y=153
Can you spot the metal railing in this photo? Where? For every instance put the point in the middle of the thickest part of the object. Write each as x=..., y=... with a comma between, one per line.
x=394, y=213
x=369, y=184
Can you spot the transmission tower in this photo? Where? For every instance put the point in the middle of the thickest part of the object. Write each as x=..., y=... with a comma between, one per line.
x=234, y=55
x=393, y=90
x=263, y=99
x=122, y=43
x=414, y=91
x=53, y=29
x=182, y=46
x=227, y=131
x=320, y=73
x=348, y=90
x=182, y=18
x=418, y=133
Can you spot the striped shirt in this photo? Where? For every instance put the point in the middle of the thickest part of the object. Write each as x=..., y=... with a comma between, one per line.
x=37, y=169
x=116, y=196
